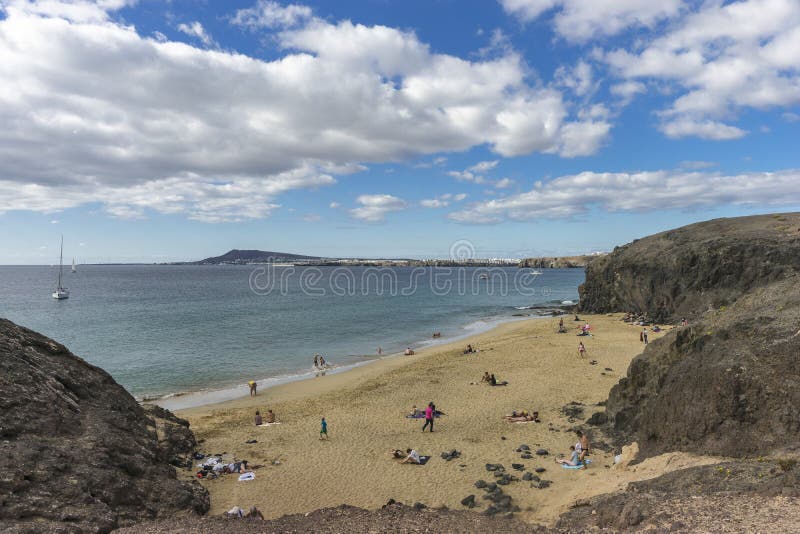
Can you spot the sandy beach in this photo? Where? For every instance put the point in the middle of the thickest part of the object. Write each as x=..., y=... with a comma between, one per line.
x=365, y=409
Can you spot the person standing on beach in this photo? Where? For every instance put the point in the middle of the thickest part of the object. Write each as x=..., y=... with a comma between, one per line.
x=644, y=335
x=323, y=431
x=581, y=349
x=582, y=446
x=253, y=385
x=430, y=411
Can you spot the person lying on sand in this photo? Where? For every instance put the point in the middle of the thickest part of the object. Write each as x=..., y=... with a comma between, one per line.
x=522, y=416
x=494, y=382
x=574, y=458
x=237, y=466
x=397, y=454
x=412, y=458
x=519, y=419
x=269, y=417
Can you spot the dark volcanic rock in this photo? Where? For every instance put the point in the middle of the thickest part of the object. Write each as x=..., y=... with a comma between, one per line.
x=686, y=271
x=726, y=384
x=663, y=501
x=77, y=452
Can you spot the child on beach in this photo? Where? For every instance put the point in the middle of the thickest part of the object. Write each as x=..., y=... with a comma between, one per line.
x=581, y=349
x=258, y=419
x=270, y=417
x=253, y=387
x=323, y=431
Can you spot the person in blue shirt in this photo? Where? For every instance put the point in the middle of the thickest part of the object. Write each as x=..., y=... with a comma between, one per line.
x=323, y=431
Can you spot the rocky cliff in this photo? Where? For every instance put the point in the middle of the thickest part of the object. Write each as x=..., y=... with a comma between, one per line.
x=77, y=452
x=727, y=383
x=687, y=271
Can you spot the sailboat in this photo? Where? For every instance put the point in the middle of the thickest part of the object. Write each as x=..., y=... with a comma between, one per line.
x=61, y=292
x=74, y=269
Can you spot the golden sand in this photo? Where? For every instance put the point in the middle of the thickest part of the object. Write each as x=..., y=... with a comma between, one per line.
x=365, y=409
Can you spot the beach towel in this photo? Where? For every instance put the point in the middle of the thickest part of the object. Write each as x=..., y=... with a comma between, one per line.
x=270, y=424
x=565, y=466
x=247, y=476
x=421, y=415
x=423, y=460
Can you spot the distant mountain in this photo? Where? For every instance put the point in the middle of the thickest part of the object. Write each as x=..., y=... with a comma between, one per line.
x=255, y=256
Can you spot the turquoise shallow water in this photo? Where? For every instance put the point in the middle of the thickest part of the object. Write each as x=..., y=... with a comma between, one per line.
x=161, y=329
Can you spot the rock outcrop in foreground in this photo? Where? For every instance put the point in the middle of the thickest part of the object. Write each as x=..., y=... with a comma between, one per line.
x=727, y=383
x=77, y=452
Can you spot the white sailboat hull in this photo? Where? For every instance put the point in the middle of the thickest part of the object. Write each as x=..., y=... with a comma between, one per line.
x=61, y=294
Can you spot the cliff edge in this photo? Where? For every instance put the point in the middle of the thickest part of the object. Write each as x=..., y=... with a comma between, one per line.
x=687, y=271
x=725, y=384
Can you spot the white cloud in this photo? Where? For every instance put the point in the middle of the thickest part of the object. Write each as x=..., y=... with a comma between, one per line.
x=475, y=172
x=504, y=183
x=578, y=79
x=573, y=195
x=791, y=117
x=626, y=91
x=54, y=221
x=466, y=176
x=375, y=207
x=442, y=201
x=334, y=205
x=581, y=20
x=720, y=59
x=269, y=14
x=434, y=203
x=483, y=166
x=132, y=122
x=312, y=218
x=707, y=129
x=194, y=29
x=74, y=10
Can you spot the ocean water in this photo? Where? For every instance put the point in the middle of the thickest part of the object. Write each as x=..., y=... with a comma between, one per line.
x=163, y=330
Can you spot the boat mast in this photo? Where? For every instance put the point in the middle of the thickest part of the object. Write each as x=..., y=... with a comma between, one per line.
x=61, y=262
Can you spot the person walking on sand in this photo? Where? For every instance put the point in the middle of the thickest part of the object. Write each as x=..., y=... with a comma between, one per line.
x=323, y=431
x=581, y=349
x=644, y=335
x=253, y=385
x=430, y=411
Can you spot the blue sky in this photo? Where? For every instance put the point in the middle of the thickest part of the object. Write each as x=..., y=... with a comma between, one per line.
x=162, y=131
